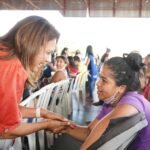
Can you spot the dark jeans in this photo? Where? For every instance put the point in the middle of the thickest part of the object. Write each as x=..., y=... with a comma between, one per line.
x=91, y=83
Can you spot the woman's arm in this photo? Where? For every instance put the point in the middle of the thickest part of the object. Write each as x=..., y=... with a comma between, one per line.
x=25, y=129
x=80, y=132
x=31, y=113
x=100, y=127
x=28, y=128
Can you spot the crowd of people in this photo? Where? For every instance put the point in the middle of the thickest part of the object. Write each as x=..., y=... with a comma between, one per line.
x=25, y=64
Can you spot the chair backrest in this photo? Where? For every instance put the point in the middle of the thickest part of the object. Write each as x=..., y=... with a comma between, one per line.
x=44, y=101
x=83, y=79
x=77, y=81
x=33, y=97
x=38, y=99
x=71, y=83
x=120, y=133
x=60, y=88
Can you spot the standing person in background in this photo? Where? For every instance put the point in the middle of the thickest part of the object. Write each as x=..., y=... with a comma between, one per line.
x=104, y=58
x=23, y=52
x=92, y=68
x=64, y=52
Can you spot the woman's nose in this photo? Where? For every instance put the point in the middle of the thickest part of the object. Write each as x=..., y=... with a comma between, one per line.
x=98, y=83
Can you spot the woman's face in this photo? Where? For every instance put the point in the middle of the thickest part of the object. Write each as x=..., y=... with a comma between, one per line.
x=43, y=56
x=106, y=86
x=60, y=63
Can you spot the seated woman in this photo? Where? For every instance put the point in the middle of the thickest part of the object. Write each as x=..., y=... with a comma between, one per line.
x=72, y=68
x=61, y=72
x=118, y=87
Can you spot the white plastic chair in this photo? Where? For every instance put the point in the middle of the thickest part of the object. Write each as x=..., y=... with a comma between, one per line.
x=75, y=88
x=57, y=104
x=38, y=99
x=82, y=86
x=30, y=102
x=69, y=96
x=60, y=88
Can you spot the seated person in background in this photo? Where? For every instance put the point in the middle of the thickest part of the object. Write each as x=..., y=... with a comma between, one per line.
x=46, y=75
x=78, y=53
x=72, y=68
x=61, y=72
x=146, y=91
x=81, y=67
x=118, y=87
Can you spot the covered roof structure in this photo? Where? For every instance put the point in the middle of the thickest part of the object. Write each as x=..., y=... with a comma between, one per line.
x=83, y=8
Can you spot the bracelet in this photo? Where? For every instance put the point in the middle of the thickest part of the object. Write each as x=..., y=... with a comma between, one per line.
x=38, y=112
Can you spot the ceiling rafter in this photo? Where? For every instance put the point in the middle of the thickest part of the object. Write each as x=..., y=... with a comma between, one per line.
x=86, y=3
x=8, y=5
x=59, y=4
x=32, y=4
x=114, y=8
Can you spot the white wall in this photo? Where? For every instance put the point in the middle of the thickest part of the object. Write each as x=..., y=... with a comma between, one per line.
x=119, y=34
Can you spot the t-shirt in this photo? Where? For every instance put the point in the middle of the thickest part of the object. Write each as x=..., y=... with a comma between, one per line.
x=12, y=81
x=72, y=69
x=142, y=141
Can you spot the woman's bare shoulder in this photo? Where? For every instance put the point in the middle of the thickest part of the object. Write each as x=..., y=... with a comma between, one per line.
x=58, y=76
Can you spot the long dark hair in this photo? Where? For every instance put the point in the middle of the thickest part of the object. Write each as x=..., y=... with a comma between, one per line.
x=89, y=50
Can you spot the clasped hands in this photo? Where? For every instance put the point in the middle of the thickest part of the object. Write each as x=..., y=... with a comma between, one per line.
x=57, y=123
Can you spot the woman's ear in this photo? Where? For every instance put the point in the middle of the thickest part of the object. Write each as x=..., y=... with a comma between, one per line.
x=123, y=89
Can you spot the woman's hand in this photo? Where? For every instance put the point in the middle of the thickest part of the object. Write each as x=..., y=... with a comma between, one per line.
x=65, y=129
x=59, y=126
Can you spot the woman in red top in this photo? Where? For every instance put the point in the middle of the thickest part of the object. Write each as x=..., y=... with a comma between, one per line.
x=23, y=52
x=72, y=68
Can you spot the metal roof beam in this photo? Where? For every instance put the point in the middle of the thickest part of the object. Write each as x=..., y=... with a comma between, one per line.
x=59, y=4
x=32, y=4
x=8, y=5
